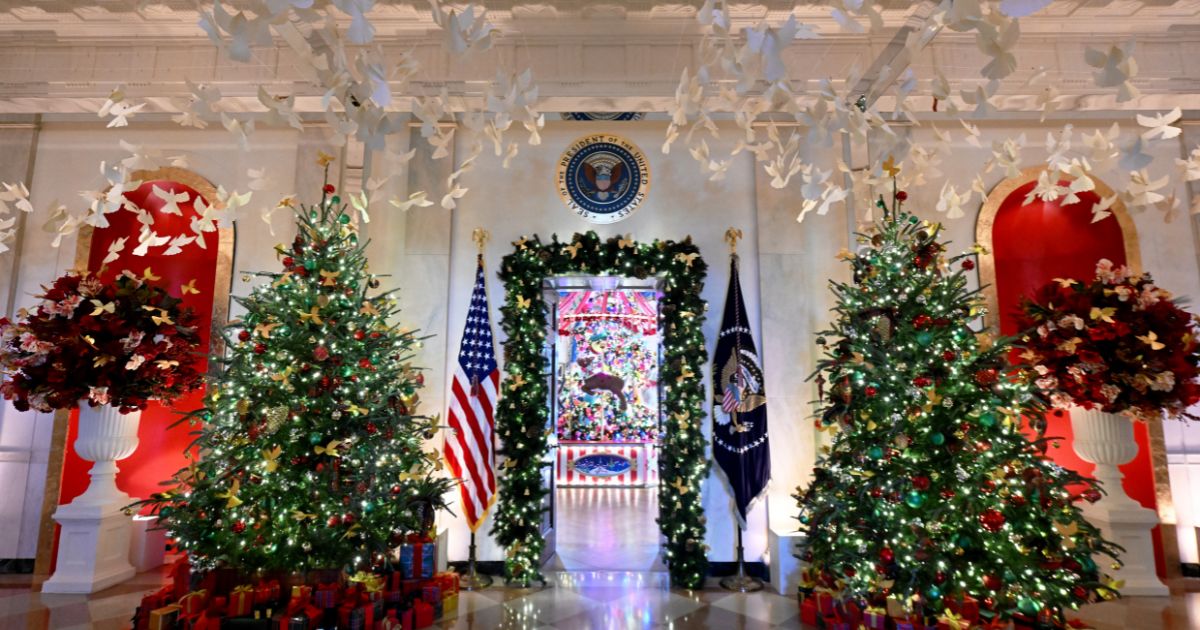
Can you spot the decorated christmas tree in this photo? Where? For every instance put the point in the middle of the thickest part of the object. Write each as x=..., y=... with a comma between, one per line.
x=310, y=447
x=929, y=492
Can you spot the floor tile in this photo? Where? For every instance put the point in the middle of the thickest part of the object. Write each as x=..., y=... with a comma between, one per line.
x=768, y=607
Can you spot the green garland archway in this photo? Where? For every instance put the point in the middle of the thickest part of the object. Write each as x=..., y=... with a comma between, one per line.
x=522, y=414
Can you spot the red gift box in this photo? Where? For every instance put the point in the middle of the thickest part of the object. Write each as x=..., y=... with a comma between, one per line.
x=411, y=587
x=303, y=593
x=356, y=617
x=837, y=621
x=181, y=575
x=968, y=608
x=808, y=612
x=448, y=581
x=824, y=603
x=241, y=601
x=390, y=622
x=423, y=614
x=312, y=615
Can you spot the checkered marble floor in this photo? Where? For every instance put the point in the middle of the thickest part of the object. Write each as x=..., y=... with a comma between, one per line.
x=572, y=600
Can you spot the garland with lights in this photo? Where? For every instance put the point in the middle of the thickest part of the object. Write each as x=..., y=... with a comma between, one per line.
x=930, y=494
x=310, y=447
x=522, y=416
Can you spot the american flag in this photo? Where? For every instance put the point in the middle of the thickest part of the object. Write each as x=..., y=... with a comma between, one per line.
x=733, y=393
x=469, y=447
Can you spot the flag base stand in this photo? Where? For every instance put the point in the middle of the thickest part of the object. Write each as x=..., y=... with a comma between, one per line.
x=473, y=580
x=740, y=582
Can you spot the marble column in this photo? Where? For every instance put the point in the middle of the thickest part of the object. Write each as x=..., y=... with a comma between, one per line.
x=795, y=262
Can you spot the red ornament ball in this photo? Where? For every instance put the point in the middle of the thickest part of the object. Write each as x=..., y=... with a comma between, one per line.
x=359, y=335
x=901, y=195
x=1091, y=495
x=850, y=572
x=396, y=489
x=920, y=482
x=334, y=521
x=1017, y=500
x=364, y=363
x=947, y=493
x=939, y=577
x=238, y=527
x=922, y=321
x=348, y=519
x=259, y=348
x=328, y=189
x=992, y=520
x=876, y=492
x=1079, y=592
x=886, y=554
x=922, y=381
x=870, y=391
x=244, y=335
x=420, y=378
x=992, y=582
x=968, y=264
x=987, y=377
x=288, y=261
x=949, y=355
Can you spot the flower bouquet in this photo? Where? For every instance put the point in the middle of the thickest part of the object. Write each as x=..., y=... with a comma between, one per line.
x=1117, y=343
x=121, y=343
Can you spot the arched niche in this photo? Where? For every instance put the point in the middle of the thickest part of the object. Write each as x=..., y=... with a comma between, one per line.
x=1030, y=244
x=161, y=446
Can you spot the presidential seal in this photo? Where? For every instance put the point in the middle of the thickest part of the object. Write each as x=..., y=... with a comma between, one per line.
x=603, y=178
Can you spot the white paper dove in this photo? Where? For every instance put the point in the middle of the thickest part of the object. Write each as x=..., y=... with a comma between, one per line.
x=1161, y=125
x=171, y=200
x=1115, y=68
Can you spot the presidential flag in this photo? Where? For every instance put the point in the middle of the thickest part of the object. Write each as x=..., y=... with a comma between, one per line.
x=469, y=445
x=739, y=403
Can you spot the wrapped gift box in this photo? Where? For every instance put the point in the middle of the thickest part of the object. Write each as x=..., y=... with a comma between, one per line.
x=417, y=559
x=164, y=618
x=241, y=601
x=309, y=618
x=423, y=614
x=875, y=618
x=808, y=612
x=450, y=605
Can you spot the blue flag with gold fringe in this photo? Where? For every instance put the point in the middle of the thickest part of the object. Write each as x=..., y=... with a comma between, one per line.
x=739, y=403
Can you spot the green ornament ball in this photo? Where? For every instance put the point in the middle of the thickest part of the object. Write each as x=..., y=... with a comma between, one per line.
x=914, y=499
x=924, y=338
x=987, y=419
x=963, y=541
x=937, y=439
x=310, y=265
x=875, y=452
x=335, y=200
x=913, y=219
x=933, y=592
x=353, y=239
x=315, y=438
x=343, y=218
x=1028, y=605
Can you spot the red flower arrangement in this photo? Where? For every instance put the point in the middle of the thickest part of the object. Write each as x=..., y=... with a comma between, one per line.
x=122, y=344
x=1118, y=343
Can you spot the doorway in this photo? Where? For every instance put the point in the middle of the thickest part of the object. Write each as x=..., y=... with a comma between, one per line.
x=604, y=349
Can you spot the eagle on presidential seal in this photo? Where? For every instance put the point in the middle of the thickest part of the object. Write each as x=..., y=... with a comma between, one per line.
x=604, y=177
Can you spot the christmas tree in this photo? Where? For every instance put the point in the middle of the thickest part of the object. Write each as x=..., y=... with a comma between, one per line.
x=929, y=492
x=310, y=447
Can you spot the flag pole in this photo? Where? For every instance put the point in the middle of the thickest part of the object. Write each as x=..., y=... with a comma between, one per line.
x=739, y=582
x=473, y=580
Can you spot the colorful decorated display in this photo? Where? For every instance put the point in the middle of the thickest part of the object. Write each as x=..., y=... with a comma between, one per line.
x=930, y=497
x=522, y=415
x=1117, y=343
x=121, y=343
x=311, y=444
x=607, y=353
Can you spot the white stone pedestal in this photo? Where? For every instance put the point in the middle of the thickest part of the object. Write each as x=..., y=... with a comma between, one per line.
x=147, y=545
x=1107, y=441
x=785, y=566
x=93, y=548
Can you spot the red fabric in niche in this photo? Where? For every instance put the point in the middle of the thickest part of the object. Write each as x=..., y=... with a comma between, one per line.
x=1035, y=243
x=160, y=451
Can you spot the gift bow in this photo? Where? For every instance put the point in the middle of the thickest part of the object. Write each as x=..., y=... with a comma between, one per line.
x=201, y=594
x=245, y=588
x=954, y=621
x=371, y=582
x=875, y=610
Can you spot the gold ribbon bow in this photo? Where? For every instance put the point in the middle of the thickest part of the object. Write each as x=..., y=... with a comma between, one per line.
x=330, y=449
x=371, y=582
x=954, y=621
